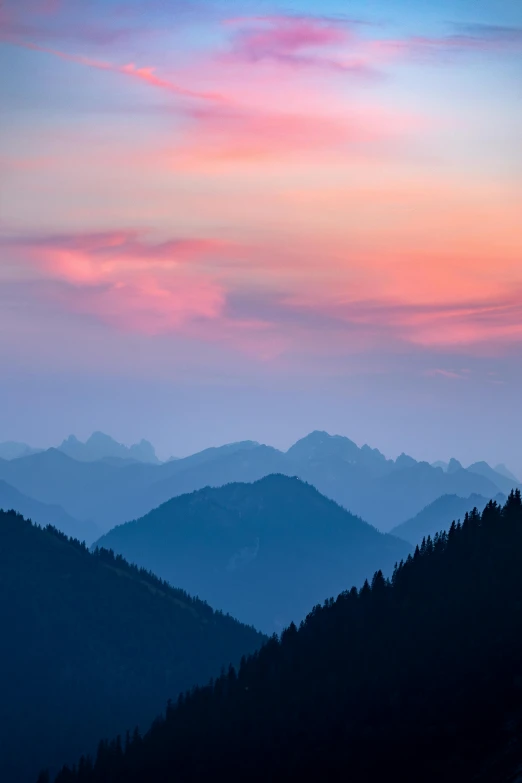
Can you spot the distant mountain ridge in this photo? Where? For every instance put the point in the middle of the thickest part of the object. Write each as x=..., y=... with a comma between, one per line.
x=115, y=489
x=100, y=446
x=92, y=647
x=13, y=450
x=265, y=552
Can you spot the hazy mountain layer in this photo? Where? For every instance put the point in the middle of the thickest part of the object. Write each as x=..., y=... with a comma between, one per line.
x=13, y=450
x=43, y=514
x=383, y=492
x=265, y=552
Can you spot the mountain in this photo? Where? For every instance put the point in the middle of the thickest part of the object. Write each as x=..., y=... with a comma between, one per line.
x=265, y=552
x=241, y=462
x=92, y=646
x=506, y=473
x=113, y=490
x=413, y=679
x=383, y=492
x=12, y=450
x=104, y=492
x=42, y=514
x=439, y=515
x=504, y=483
x=100, y=446
x=454, y=466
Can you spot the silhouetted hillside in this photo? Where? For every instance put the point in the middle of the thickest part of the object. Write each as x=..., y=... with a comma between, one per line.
x=42, y=514
x=265, y=552
x=416, y=679
x=92, y=646
x=439, y=515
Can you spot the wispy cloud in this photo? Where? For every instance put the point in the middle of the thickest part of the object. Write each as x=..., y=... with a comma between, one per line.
x=299, y=41
x=145, y=74
x=464, y=40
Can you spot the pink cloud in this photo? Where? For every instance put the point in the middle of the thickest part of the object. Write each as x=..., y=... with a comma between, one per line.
x=123, y=281
x=243, y=135
x=146, y=75
x=295, y=40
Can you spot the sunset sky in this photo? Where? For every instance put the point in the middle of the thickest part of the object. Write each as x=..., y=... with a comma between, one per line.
x=228, y=220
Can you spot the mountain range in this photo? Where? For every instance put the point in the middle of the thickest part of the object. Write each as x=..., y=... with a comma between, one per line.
x=100, y=446
x=92, y=647
x=416, y=678
x=264, y=552
x=384, y=492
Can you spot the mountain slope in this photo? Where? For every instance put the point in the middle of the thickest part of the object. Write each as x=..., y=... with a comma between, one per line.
x=439, y=515
x=91, y=646
x=383, y=492
x=43, y=514
x=504, y=483
x=112, y=491
x=12, y=450
x=503, y=470
x=265, y=552
x=101, y=491
x=414, y=680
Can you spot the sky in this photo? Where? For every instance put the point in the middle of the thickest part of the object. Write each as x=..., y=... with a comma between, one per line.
x=248, y=220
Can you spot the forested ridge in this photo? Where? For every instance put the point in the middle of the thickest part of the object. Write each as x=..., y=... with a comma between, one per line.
x=416, y=678
x=92, y=646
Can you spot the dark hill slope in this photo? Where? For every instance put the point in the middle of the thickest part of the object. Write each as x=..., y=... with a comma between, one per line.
x=91, y=645
x=265, y=552
x=417, y=679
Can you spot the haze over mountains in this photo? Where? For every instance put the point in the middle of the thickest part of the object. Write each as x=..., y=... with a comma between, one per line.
x=44, y=514
x=264, y=552
x=106, y=484
x=261, y=534
x=92, y=647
